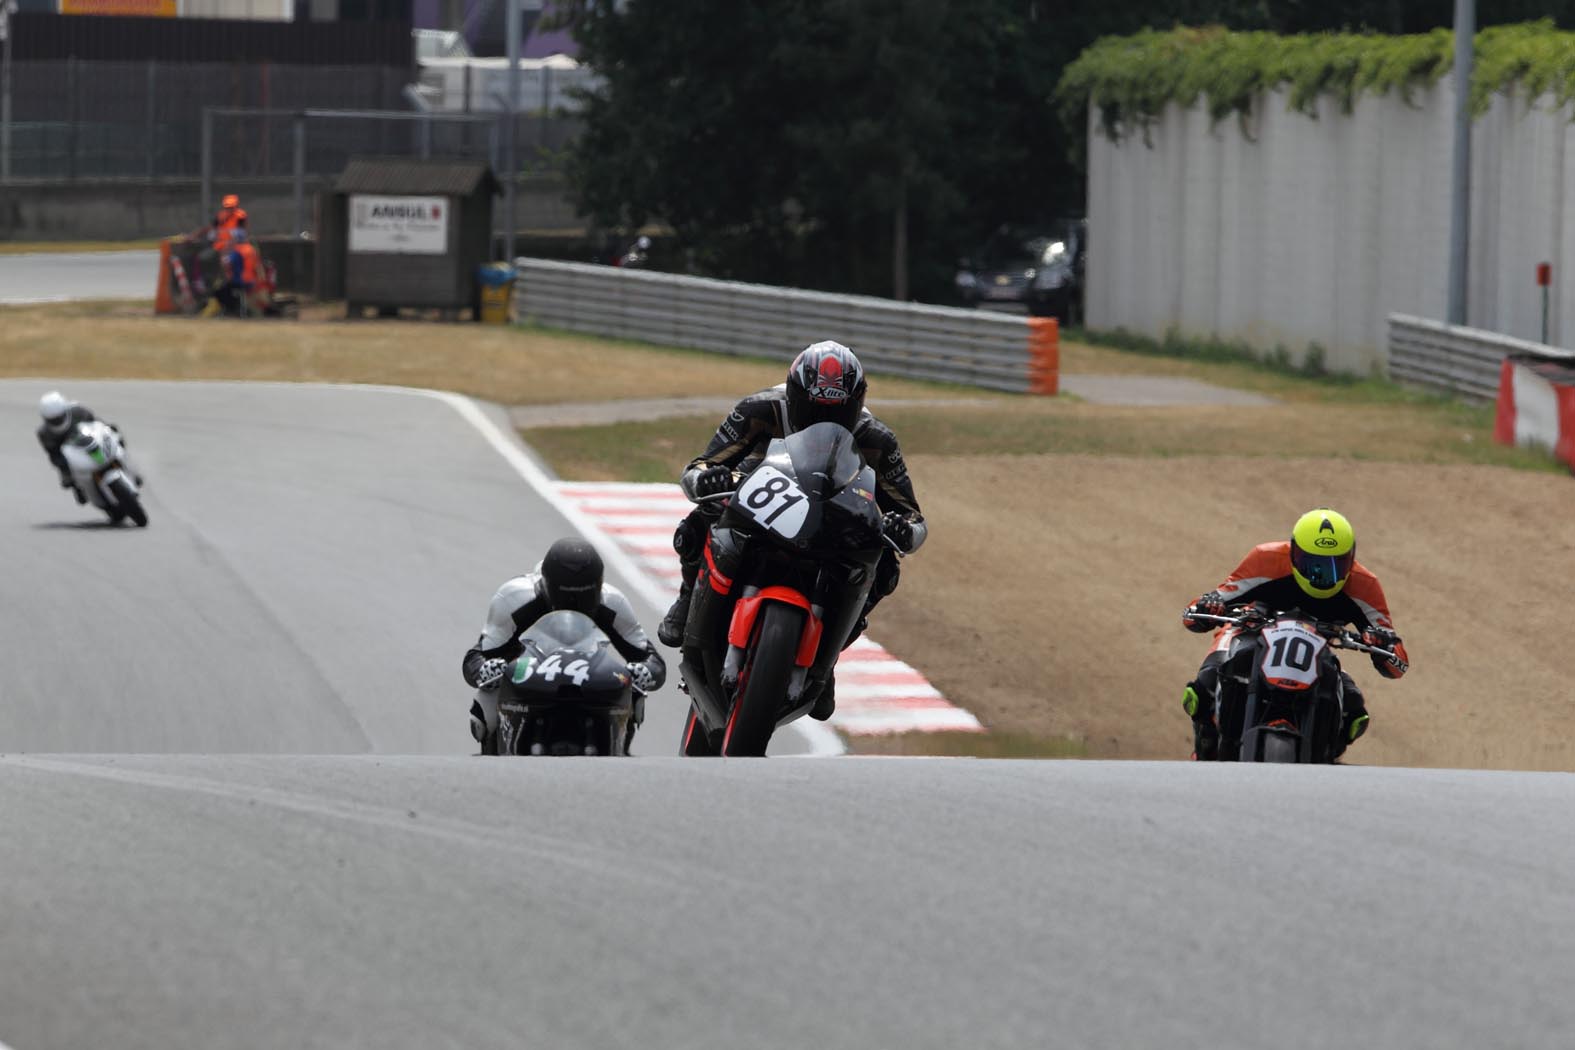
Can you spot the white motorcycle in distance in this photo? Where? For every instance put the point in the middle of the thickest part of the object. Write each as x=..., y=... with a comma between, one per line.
x=97, y=460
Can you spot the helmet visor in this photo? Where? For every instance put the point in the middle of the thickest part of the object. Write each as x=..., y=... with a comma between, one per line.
x=1323, y=571
x=804, y=412
x=582, y=597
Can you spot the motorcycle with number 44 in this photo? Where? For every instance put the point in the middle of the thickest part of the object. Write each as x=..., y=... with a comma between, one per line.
x=96, y=458
x=568, y=693
x=786, y=571
x=1281, y=694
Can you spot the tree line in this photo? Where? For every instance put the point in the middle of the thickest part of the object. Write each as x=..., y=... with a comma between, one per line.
x=864, y=145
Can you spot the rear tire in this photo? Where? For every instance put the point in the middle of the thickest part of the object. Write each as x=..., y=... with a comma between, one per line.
x=130, y=506
x=759, y=703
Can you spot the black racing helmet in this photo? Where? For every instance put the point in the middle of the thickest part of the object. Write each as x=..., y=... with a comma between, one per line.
x=572, y=575
x=825, y=384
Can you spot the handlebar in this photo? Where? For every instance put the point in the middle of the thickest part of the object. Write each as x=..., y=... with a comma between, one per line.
x=1339, y=635
x=720, y=497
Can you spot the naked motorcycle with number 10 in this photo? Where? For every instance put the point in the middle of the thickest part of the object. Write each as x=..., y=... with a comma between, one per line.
x=1281, y=692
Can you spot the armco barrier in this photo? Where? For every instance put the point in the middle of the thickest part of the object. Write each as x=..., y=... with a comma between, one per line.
x=972, y=347
x=1450, y=358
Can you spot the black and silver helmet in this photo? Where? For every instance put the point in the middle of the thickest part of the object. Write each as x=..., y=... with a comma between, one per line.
x=825, y=384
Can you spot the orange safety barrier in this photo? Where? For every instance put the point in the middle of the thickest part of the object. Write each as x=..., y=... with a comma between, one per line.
x=163, y=301
x=1044, y=355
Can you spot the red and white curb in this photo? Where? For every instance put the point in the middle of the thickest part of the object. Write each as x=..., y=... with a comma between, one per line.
x=876, y=692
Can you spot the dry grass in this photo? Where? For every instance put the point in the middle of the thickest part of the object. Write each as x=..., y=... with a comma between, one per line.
x=1407, y=433
x=508, y=365
x=1047, y=600
x=59, y=247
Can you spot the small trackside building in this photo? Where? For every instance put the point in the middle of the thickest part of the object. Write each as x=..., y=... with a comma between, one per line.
x=410, y=233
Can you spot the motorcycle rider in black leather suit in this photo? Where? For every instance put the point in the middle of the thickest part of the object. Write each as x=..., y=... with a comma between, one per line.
x=825, y=383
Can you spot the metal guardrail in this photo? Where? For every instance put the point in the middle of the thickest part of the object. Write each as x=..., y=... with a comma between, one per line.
x=1453, y=359
x=971, y=347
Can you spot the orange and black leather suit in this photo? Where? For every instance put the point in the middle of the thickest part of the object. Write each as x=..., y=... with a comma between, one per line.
x=1265, y=576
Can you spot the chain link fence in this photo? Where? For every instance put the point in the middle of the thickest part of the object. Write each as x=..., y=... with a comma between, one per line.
x=75, y=120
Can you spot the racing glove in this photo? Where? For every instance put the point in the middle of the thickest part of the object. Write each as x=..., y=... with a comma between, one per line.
x=1380, y=637
x=642, y=677
x=1211, y=604
x=1384, y=638
x=490, y=671
x=713, y=481
x=899, y=528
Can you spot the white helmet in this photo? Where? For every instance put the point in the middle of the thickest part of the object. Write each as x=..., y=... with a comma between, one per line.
x=56, y=410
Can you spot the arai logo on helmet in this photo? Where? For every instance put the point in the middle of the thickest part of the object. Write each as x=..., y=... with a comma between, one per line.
x=1323, y=541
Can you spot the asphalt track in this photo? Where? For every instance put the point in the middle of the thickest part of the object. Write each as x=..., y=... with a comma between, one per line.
x=311, y=552
x=318, y=561
x=55, y=277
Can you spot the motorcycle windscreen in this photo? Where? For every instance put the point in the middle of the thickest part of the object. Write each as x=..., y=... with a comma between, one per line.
x=563, y=629
x=825, y=457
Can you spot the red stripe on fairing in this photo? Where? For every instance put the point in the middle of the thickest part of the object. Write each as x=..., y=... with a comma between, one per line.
x=719, y=583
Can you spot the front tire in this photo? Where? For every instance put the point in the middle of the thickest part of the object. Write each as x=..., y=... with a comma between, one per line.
x=1277, y=747
x=128, y=503
x=759, y=701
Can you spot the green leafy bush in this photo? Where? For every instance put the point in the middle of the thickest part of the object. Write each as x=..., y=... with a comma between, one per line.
x=1131, y=79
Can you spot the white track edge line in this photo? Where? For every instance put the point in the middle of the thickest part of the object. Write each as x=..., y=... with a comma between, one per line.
x=822, y=740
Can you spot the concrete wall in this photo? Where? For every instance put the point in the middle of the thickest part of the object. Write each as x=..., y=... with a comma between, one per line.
x=1286, y=230
x=115, y=210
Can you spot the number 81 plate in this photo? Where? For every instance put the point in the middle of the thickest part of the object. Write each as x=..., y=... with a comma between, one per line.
x=774, y=500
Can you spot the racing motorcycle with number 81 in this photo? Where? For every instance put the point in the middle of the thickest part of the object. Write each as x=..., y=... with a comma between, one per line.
x=785, y=574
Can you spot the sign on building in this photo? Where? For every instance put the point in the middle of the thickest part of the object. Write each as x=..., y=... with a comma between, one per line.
x=134, y=8
x=399, y=225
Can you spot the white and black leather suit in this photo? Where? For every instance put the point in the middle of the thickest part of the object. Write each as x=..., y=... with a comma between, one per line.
x=52, y=439
x=520, y=602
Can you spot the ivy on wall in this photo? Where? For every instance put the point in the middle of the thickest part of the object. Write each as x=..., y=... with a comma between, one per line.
x=1130, y=80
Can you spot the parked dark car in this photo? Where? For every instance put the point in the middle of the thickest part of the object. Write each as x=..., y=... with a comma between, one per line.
x=1037, y=267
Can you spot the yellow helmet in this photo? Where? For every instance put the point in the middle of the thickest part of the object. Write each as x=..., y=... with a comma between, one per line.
x=1323, y=549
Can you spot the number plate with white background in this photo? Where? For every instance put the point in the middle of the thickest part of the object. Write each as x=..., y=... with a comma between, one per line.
x=1290, y=654
x=774, y=500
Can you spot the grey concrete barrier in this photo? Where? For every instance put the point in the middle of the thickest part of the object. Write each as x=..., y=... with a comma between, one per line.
x=970, y=347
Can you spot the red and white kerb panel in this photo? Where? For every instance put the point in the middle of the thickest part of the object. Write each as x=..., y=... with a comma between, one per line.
x=876, y=692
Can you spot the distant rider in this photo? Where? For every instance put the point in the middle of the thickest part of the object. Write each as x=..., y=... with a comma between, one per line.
x=569, y=577
x=825, y=383
x=1316, y=571
x=61, y=416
